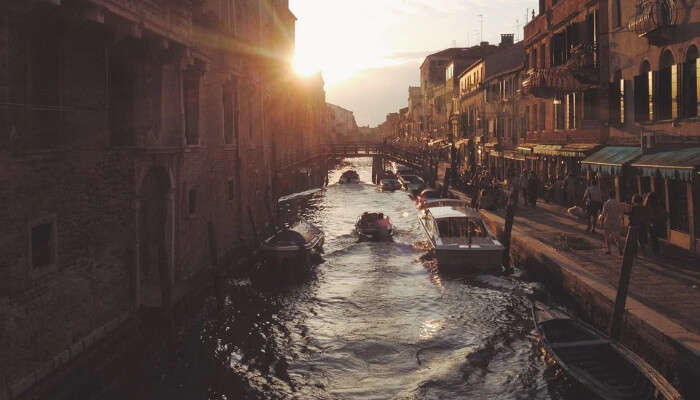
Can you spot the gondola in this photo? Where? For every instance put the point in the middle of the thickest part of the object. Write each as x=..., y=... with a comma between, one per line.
x=600, y=364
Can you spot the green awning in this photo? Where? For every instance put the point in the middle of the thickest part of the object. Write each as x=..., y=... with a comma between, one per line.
x=513, y=155
x=547, y=149
x=672, y=164
x=609, y=160
x=578, y=150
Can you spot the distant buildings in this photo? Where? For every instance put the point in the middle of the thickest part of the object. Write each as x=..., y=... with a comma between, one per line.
x=342, y=126
x=606, y=89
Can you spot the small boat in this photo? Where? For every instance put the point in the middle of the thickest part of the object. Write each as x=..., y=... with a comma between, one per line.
x=374, y=226
x=412, y=183
x=602, y=365
x=295, y=243
x=350, y=176
x=389, y=184
x=426, y=195
x=459, y=238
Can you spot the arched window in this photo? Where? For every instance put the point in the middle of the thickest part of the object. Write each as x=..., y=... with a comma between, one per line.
x=691, y=84
x=643, y=94
x=667, y=87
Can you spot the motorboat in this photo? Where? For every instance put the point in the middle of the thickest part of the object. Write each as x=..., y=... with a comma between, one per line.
x=425, y=195
x=374, y=226
x=455, y=203
x=389, y=184
x=413, y=184
x=349, y=176
x=459, y=238
x=399, y=169
x=600, y=364
x=295, y=243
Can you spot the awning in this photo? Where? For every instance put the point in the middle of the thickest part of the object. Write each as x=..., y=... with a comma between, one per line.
x=578, y=150
x=609, y=160
x=513, y=155
x=547, y=149
x=495, y=153
x=526, y=148
x=673, y=164
x=462, y=142
x=491, y=144
x=436, y=142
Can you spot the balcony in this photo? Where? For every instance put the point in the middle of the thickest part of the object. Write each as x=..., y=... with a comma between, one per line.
x=583, y=63
x=653, y=18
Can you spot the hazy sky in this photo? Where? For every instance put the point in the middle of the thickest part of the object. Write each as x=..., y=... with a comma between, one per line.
x=370, y=50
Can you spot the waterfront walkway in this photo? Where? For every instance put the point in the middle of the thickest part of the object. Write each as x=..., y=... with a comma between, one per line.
x=664, y=292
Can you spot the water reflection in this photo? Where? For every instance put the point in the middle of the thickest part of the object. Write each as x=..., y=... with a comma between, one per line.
x=372, y=321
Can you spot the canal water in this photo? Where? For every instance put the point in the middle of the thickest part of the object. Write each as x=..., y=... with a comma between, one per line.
x=371, y=321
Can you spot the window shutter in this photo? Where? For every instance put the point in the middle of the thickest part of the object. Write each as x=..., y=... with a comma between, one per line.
x=650, y=86
x=697, y=85
x=622, y=101
x=674, y=91
x=567, y=112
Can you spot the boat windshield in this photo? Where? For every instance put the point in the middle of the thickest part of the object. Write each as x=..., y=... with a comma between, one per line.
x=460, y=227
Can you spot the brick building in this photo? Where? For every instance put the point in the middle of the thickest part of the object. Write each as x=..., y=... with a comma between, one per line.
x=126, y=128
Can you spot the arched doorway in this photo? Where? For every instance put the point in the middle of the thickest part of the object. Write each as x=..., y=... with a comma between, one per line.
x=154, y=270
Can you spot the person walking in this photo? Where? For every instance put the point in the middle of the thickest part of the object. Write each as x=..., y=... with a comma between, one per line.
x=612, y=222
x=570, y=188
x=639, y=220
x=593, y=199
x=657, y=220
x=532, y=186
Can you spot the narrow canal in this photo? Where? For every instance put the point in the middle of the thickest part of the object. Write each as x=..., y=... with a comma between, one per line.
x=373, y=321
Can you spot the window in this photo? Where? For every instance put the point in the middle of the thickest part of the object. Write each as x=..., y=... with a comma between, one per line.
x=616, y=14
x=534, y=57
x=43, y=243
x=691, y=85
x=535, y=117
x=667, y=104
x=231, y=191
x=590, y=105
x=571, y=121
x=542, y=117
x=192, y=201
x=558, y=114
x=621, y=98
x=191, y=104
x=525, y=120
x=230, y=112
x=643, y=94
x=543, y=56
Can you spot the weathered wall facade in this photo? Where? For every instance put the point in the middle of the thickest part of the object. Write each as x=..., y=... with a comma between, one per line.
x=126, y=128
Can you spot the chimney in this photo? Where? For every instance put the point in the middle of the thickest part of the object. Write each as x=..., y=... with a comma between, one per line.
x=482, y=44
x=507, y=39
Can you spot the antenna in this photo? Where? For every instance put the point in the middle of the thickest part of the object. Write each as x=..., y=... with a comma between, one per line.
x=481, y=35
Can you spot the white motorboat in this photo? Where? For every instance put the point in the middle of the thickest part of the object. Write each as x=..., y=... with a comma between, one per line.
x=459, y=238
x=350, y=176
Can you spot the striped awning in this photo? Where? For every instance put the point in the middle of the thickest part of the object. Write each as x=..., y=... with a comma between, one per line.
x=547, y=149
x=610, y=160
x=678, y=164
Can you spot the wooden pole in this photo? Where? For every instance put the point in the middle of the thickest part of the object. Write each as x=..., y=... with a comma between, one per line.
x=214, y=258
x=508, y=229
x=252, y=226
x=623, y=285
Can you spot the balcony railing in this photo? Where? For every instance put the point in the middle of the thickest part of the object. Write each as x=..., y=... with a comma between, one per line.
x=653, y=16
x=553, y=82
x=583, y=62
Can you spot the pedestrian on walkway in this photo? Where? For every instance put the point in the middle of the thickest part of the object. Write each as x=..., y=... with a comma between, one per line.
x=657, y=220
x=532, y=186
x=639, y=220
x=570, y=187
x=612, y=222
x=593, y=199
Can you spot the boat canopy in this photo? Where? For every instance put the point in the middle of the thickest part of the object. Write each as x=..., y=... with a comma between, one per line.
x=452, y=212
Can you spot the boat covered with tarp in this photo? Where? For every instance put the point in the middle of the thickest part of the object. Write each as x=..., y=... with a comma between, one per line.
x=600, y=364
x=297, y=241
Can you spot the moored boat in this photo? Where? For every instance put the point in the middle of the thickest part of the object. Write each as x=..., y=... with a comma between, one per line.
x=349, y=176
x=389, y=184
x=600, y=364
x=295, y=243
x=374, y=226
x=460, y=239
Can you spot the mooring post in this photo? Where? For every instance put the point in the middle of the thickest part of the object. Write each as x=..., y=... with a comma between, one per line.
x=623, y=285
x=216, y=275
x=446, y=183
x=252, y=226
x=508, y=229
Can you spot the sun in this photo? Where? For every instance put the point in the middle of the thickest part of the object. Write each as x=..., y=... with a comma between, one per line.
x=304, y=65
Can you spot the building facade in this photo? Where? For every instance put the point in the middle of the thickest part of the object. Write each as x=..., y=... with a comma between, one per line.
x=132, y=134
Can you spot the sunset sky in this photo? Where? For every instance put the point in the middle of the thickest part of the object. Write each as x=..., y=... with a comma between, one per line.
x=370, y=50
